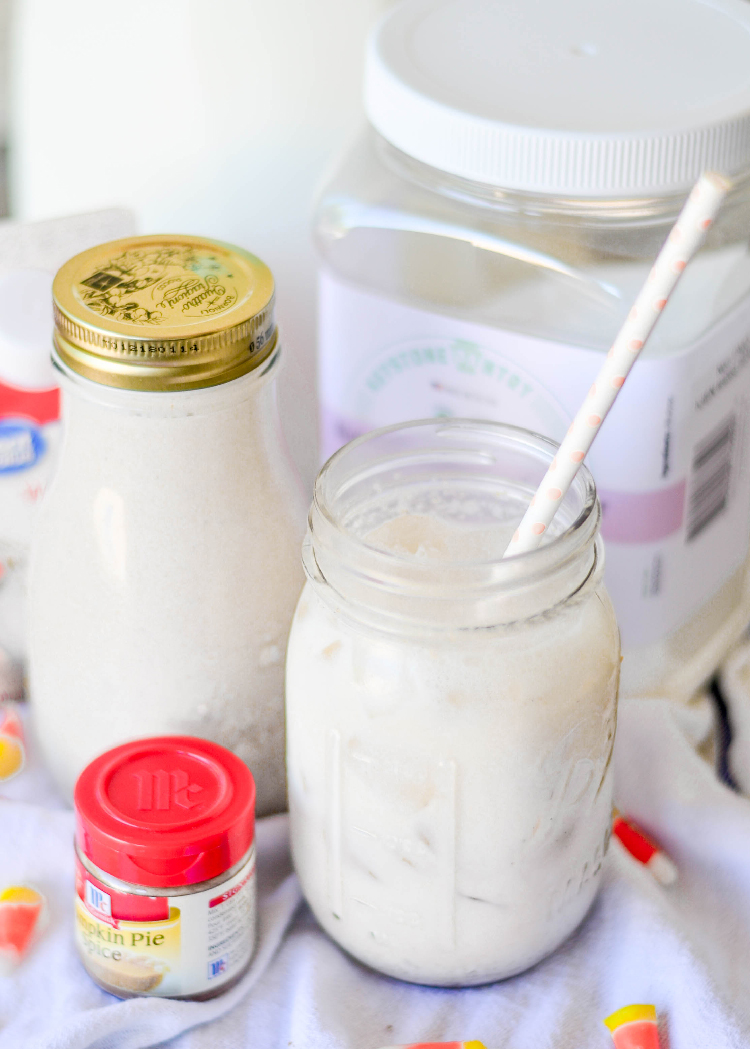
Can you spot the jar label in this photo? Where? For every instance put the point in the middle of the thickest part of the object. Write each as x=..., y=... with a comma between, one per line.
x=672, y=464
x=29, y=437
x=166, y=946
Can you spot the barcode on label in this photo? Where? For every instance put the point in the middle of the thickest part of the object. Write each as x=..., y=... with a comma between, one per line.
x=711, y=477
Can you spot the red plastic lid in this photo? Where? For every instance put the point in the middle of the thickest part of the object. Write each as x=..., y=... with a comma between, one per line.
x=167, y=811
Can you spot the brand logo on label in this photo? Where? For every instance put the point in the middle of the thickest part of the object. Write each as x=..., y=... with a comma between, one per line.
x=163, y=791
x=21, y=446
x=96, y=900
x=217, y=967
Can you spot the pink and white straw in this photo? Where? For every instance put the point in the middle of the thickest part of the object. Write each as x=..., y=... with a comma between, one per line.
x=682, y=243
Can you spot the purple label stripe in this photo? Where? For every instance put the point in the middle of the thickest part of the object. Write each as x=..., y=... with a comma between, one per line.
x=642, y=517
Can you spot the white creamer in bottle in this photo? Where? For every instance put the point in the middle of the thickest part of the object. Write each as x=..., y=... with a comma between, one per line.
x=165, y=568
x=450, y=714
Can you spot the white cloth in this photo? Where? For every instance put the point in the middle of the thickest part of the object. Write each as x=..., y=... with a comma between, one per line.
x=686, y=948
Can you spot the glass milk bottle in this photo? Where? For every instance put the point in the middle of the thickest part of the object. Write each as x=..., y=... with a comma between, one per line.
x=482, y=241
x=164, y=570
x=450, y=714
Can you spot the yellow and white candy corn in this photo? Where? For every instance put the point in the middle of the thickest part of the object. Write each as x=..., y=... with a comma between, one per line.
x=438, y=1045
x=22, y=917
x=12, y=749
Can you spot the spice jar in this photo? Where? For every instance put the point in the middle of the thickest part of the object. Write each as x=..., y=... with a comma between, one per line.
x=450, y=713
x=165, y=566
x=483, y=239
x=165, y=868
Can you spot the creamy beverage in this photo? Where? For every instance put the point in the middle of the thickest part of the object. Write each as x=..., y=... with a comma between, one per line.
x=165, y=569
x=450, y=720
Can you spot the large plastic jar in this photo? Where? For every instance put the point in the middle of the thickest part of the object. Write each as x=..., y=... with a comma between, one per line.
x=450, y=713
x=165, y=565
x=483, y=239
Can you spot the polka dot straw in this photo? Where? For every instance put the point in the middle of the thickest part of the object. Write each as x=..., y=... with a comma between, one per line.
x=681, y=244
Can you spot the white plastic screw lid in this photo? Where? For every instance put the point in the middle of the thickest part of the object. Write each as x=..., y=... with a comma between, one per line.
x=578, y=97
x=26, y=330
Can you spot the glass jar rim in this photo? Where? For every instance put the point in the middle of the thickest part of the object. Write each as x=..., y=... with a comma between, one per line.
x=573, y=536
x=350, y=565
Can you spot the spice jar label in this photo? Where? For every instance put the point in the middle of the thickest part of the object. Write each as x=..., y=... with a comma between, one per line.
x=167, y=946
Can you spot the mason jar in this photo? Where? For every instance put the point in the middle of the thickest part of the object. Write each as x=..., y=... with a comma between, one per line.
x=450, y=713
x=165, y=567
x=482, y=240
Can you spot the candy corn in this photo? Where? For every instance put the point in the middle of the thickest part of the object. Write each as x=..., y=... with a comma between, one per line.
x=634, y=1027
x=12, y=751
x=22, y=912
x=643, y=849
x=439, y=1045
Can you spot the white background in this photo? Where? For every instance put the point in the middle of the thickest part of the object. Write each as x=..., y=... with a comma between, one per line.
x=216, y=117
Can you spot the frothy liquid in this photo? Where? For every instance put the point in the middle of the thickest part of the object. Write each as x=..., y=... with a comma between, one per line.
x=451, y=796
x=427, y=538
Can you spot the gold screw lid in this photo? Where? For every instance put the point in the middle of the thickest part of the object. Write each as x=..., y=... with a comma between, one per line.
x=163, y=313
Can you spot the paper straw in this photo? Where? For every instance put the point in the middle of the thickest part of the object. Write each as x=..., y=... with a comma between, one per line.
x=681, y=244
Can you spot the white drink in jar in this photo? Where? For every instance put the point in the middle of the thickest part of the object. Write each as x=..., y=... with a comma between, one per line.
x=450, y=715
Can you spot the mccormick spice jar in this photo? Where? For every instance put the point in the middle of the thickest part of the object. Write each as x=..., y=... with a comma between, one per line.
x=165, y=563
x=165, y=868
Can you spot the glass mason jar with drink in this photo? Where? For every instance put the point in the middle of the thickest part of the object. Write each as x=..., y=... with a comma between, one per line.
x=450, y=713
